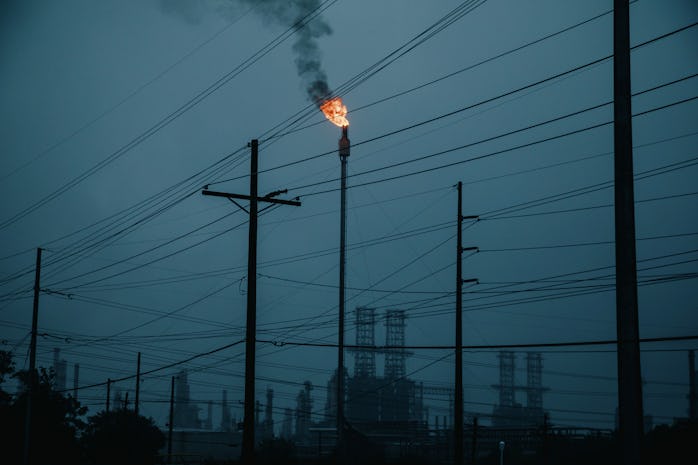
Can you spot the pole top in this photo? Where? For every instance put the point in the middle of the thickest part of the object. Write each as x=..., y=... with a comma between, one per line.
x=344, y=144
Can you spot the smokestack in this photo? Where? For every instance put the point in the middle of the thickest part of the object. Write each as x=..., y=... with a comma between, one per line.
x=344, y=144
x=76, y=380
x=225, y=413
x=59, y=368
x=268, y=415
x=344, y=149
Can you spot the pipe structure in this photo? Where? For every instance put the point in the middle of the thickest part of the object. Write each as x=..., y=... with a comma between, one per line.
x=344, y=149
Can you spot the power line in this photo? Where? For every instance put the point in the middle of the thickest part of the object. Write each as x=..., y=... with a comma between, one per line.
x=191, y=103
x=583, y=244
x=489, y=100
x=478, y=347
x=479, y=157
x=676, y=31
x=165, y=367
x=590, y=207
x=466, y=68
x=94, y=238
x=155, y=260
x=125, y=99
x=163, y=244
x=493, y=214
x=334, y=286
x=649, y=42
x=435, y=28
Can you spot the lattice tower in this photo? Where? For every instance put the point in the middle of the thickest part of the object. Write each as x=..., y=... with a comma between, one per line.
x=365, y=359
x=395, y=358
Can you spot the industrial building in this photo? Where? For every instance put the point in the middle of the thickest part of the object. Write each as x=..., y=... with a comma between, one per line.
x=393, y=398
x=371, y=399
x=509, y=413
x=186, y=412
x=381, y=410
x=60, y=368
x=385, y=413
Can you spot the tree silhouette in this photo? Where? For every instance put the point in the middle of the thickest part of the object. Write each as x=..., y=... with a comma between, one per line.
x=122, y=437
x=55, y=423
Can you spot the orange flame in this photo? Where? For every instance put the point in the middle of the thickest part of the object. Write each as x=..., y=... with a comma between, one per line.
x=335, y=111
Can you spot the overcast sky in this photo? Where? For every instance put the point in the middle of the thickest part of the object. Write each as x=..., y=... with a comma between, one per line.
x=115, y=114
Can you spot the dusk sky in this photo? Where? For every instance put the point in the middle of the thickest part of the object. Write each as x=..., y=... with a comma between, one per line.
x=115, y=114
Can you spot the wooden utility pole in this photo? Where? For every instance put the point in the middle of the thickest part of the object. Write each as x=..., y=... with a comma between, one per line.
x=138, y=383
x=692, y=392
x=76, y=380
x=248, y=440
x=458, y=400
x=108, y=393
x=32, y=379
x=473, y=450
x=630, y=414
x=458, y=404
x=171, y=422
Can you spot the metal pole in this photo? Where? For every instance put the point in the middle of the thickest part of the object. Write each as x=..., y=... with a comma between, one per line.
x=473, y=451
x=138, y=382
x=32, y=359
x=692, y=393
x=76, y=380
x=344, y=149
x=627, y=324
x=248, y=429
x=171, y=422
x=108, y=392
x=458, y=404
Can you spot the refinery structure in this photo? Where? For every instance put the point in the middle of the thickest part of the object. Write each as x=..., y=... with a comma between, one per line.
x=386, y=414
x=380, y=406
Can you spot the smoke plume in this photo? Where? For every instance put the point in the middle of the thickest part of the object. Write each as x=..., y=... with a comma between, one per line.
x=308, y=27
x=300, y=15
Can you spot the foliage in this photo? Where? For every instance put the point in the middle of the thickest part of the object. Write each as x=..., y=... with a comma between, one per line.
x=671, y=444
x=273, y=451
x=122, y=437
x=55, y=419
x=7, y=367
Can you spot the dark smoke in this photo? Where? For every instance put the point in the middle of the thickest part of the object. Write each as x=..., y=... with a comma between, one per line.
x=295, y=13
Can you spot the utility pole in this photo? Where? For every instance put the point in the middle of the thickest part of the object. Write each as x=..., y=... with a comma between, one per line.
x=458, y=413
x=32, y=360
x=458, y=401
x=473, y=450
x=627, y=325
x=248, y=440
x=171, y=422
x=692, y=392
x=76, y=380
x=138, y=383
x=108, y=393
